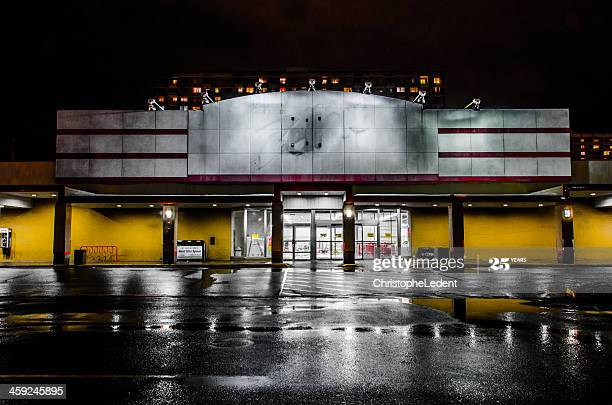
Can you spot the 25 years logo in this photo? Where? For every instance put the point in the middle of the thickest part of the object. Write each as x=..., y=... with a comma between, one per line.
x=499, y=263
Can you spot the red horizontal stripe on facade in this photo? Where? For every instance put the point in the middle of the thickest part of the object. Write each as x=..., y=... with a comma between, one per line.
x=502, y=130
x=140, y=131
x=501, y=154
x=513, y=179
x=121, y=156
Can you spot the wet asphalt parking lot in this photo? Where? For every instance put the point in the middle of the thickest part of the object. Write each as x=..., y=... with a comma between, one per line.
x=191, y=335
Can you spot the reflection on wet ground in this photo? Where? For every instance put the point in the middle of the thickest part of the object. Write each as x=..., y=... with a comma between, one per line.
x=233, y=335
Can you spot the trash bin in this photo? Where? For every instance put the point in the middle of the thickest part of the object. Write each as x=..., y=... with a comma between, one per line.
x=80, y=256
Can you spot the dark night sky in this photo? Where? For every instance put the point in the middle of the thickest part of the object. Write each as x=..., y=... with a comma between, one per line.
x=107, y=54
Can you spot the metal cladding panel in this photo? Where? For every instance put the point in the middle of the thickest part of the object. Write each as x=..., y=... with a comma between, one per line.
x=138, y=168
x=72, y=143
x=422, y=163
x=293, y=163
x=328, y=163
x=487, y=142
x=359, y=118
x=296, y=140
x=487, y=119
x=171, y=119
x=487, y=167
x=554, y=167
x=521, y=167
x=170, y=167
x=235, y=113
x=105, y=168
x=234, y=163
x=105, y=144
x=390, y=163
x=390, y=140
x=454, y=142
x=72, y=168
x=519, y=118
x=203, y=164
x=359, y=140
x=328, y=140
x=414, y=115
x=526, y=142
x=203, y=141
x=360, y=163
x=430, y=119
x=558, y=118
x=234, y=141
x=324, y=100
x=265, y=118
x=171, y=143
x=553, y=142
x=265, y=163
x=207, y=118
x=139, y=120
x=455, y=166
x=454, y=119
x=138, y=144
x=328, y=117
x=389, y=117
x=265, y=141
x=422, y=140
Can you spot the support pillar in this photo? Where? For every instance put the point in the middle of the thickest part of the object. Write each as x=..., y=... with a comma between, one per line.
x=169, y=218
x=62, y=224
x=277, y=227
x=456, y=229
x=348, y=232
x=567, y=235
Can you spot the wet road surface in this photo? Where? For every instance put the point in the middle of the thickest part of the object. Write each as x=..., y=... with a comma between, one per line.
x=194, y=336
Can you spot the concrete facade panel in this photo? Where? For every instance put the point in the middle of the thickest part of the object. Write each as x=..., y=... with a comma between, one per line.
x=521, y=166
x=454, y=143
x=554, y=167
x=455, y=166
x=203, y=164
x=297, y=140
x=328, y=163
x=454, y=119
x=171, y=119
x=171, y=143
x=362, y=118
x=139, y=120
x=558, y=118
x=324, y=100
x=520, y=142
x=266, y=118
x=170, y=167
x=234, y=141
x=391, y=163
x=297, y=117
x=203, y=141
x=487, y=119
x=266, y=141
x=235, y=113
x=328, y=117
x=360, y=163
x=519, y=118
x=71, y=119
x=72, y=168
x=138, y=168
x=390, y=140
x=422, y=163
x=328, y=140
x=487, y=166
x=234, y=163
x=293, y=163
x=359, y=140
x=389, y=117
x=72, y=143
x=430, y=118
x=266, y=163
x=487, y=142
x=106, y=144
x=553, y=142
x=105, y=168
x=107, y=120
x=358, y=100
x=414, y=115
x=138, y=143
x=207, y=118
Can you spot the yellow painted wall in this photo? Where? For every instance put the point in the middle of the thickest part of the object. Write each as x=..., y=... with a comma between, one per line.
x=512, y=232
x=137, y=233
x=429, y=227
x=204, y=223
x=592, y=233
x=32, y=232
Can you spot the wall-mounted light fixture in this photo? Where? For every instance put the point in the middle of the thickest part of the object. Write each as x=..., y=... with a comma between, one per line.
x=349, y=210
x=567, y=213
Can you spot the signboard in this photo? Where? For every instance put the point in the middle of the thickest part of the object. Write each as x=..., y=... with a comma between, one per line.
x=191, y=250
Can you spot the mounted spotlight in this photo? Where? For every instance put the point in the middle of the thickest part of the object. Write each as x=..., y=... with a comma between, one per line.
x=206, y=98
x=420, y=98
x=367, y=88
x=475, y=104
x=153, y=106
x=258, y=87
x=311, y=84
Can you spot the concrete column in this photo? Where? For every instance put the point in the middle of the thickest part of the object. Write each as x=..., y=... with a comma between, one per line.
x=62, y=224
x=567, y=234
x=170, y=225
x=456, y=229
x=348, y=235
x=277, y=227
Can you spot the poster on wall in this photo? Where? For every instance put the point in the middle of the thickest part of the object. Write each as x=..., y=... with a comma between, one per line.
x=191, y=250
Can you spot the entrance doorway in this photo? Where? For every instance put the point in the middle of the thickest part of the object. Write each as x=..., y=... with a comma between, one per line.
x=328, y=241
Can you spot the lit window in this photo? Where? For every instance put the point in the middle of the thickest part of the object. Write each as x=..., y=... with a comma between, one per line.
x=240, y=89
x=595, y=146
x=414, y=89
x=217, y=98
x=335, y=80
x=423, y=80
x=436, y=89
x=583, y=153
x=348, y=89
x=400, y=89
x=323, y=81
x=283, y=80
x=196, y=90
x=263, y=80
x=217, y=90
x=283, y=89
x=184, y=99
x=606, y=153
x=437, y=81
x=173, y=82
x=160, y=99
x=196, y=107
x=264, y=89
x=174, y=99
x=250, y=90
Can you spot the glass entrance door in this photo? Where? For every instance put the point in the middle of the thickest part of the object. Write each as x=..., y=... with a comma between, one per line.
x=328, y=241
x=366, y=239
x=296, y=242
